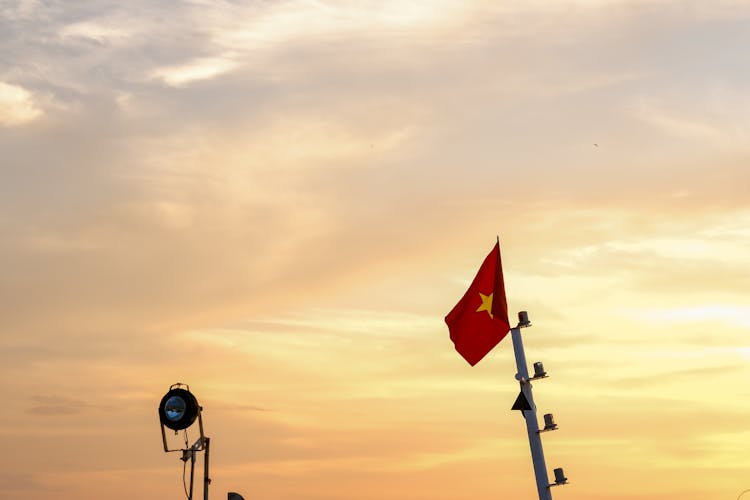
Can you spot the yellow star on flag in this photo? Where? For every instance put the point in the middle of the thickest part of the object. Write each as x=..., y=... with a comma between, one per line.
x=486, y=304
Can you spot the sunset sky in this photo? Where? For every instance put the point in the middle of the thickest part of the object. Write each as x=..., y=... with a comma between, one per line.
x=278, y=202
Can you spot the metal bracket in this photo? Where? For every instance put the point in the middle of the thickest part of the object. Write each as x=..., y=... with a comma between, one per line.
x=546, y=430
x=199, y=444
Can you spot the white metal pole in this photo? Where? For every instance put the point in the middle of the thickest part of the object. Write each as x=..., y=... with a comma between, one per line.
x=532, y=426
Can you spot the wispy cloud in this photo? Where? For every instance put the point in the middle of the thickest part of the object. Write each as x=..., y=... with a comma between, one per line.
x=55, y=406
x=196, y=70
x=687, y=126
x=737, y=315
x=100, y=31
x=22, y=483
x=17, y=105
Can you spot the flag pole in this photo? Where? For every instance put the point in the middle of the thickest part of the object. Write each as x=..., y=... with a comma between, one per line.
x=525, y=403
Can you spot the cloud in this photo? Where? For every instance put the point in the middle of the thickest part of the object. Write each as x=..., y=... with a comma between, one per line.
x=52, y=406
x=100, y=31
x=24, y=482
x=291, y=22
x=23, y=9
x=281, y=200
x=17, y=105
x=724, y=313
x=239, y=407
x=196, y=70
x=676, y=376
x=702, y=125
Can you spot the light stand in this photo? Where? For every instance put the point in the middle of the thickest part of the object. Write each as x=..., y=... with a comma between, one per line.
x=178, y=410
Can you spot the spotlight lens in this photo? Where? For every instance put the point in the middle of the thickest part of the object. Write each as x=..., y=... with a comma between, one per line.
x=178, y=409
x=175, y=408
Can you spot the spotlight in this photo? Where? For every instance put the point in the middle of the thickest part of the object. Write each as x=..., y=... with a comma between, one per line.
x=178, y=409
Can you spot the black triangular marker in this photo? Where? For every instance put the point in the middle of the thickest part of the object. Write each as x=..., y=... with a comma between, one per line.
x=521, y=403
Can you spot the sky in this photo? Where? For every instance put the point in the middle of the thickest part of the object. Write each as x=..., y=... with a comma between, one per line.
x=278, y=202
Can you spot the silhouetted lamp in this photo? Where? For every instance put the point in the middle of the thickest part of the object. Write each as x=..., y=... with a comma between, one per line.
x=178, y=409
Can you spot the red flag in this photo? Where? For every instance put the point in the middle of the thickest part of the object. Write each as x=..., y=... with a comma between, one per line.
x=480, y=319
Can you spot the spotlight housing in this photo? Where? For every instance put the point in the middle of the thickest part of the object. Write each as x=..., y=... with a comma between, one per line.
x=178, y=409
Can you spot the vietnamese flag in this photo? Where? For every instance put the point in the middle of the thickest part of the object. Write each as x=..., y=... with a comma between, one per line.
x=480, y=319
